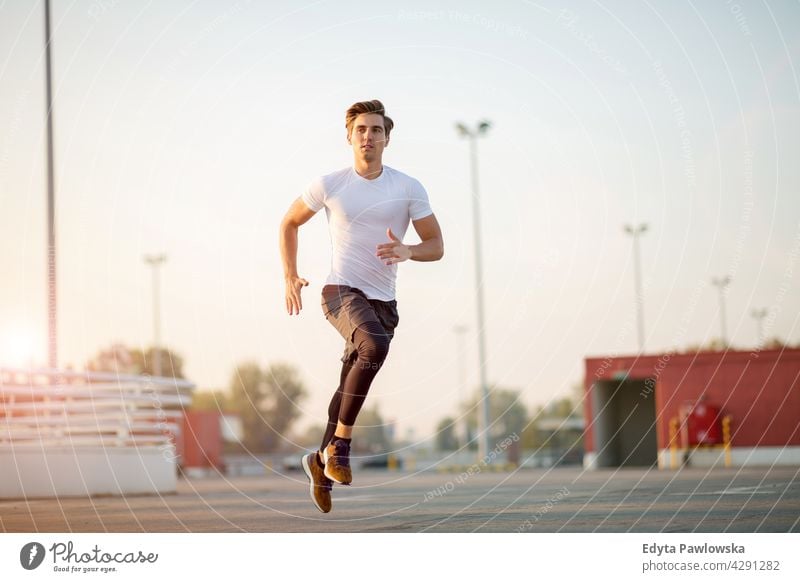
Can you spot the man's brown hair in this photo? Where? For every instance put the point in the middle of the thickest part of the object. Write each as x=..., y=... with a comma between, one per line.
x=373, y=106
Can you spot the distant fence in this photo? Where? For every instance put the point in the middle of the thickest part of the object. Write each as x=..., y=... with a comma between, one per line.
x=66, y=433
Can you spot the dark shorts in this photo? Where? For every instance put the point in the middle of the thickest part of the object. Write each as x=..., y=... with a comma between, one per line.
x=348, y=308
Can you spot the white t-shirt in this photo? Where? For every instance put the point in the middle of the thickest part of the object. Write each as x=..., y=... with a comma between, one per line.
x=359, y=212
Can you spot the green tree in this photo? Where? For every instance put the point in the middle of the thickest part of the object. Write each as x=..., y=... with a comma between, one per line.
x=267, y=402
x=210, y=400
x=534, y=437
x=369, y=433
x=578, y=396
x=312, y=437
x=531, y=437
x=446, y=439
x=775, y=343
x=507, y=414
x=121, y=359
x=712, y=345
x=171, y=363
x=561, y=408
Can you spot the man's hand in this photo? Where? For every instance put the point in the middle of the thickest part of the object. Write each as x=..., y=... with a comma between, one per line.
x=293, y=301
x=394, y=251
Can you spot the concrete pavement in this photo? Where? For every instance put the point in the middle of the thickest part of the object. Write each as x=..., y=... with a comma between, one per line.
x=755, y=499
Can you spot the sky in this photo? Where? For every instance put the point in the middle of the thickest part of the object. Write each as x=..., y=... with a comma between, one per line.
x=188, y=128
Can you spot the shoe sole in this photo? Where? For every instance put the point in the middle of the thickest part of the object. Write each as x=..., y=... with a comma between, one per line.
x=307, y=471
x=331, y=477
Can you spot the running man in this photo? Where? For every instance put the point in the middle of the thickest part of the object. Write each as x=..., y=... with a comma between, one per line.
x=369, y=206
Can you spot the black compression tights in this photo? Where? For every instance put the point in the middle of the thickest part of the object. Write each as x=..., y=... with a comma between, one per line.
x=372, y=346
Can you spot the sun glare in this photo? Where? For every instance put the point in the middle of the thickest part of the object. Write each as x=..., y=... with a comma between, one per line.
x=18, y=348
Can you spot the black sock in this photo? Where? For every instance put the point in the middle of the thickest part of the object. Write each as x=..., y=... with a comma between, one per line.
x=318, y=456
x=336, y=438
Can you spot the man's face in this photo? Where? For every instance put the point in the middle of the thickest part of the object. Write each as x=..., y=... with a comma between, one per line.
x=367, y=137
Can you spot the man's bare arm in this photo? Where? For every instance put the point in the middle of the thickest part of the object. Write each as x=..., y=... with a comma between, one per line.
x=432, y=246
x=297, y=215
x=430, y=249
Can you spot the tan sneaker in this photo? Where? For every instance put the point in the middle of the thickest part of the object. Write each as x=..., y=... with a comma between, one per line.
x=337, y=462
x=320, y=484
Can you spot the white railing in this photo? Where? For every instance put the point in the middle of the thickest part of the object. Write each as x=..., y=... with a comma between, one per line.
x=104, y=432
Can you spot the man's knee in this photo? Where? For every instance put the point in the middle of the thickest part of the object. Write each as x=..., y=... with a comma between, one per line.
x=373, y=349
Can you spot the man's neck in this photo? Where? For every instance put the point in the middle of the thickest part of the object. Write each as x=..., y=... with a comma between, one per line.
x=368, y=170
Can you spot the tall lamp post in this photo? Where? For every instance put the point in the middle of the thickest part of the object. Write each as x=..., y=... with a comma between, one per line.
x=52, y=338
x=722, y=283
x=460, y=330
x=759, y=315
x=155, y=261
x=472, y=134
x=635, y=232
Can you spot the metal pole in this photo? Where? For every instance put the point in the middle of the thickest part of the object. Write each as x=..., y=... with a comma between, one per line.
x=637, y=272
x=460, y=330
x=52, y=337
x=639, y=296
x=721, y=284
x=156, y=325
x=483, y=416
x=759, y=315
x=155, y=261
x=761, y=330
x=483, y=442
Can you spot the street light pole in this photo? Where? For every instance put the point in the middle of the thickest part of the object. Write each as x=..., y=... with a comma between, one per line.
x=155, y=261
x=635, y=232
x=759, y=315
x=722, y=283
x=460, y=330
x=483, y=417
x=52, y=337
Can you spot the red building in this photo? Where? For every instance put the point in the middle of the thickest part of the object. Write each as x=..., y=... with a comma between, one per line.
x=631, y=402
x=200, y=442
